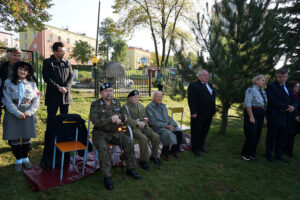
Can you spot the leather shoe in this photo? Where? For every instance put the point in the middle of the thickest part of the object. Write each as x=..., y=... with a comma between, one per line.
x=197, y=153
x=252, y=158
x=133, y=174
x=155, y=160
x=166, y=157
x=270, y=159
x=108, y=183
x=176, y=155
x=281, y=159
x=144, y=165
x=204, y=150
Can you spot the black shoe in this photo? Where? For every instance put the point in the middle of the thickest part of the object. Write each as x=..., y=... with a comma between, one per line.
x=204, y=150
x=155, y=160
x=281, y=159
x=108, y=183
x=197, y=153
x=289, y=155
x=270, y=159
x=252, y=158
x=145, y=165
x=133, y=174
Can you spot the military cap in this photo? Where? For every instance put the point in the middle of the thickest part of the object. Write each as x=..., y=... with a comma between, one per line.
x=105, y=86
x=133, y=93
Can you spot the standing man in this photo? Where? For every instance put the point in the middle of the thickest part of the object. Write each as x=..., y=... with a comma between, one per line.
x=280, y=108
x=138, y=121
x=58, y=74
x=6, y=69
x=160, y=79
x=202, y=103
x=106, y=115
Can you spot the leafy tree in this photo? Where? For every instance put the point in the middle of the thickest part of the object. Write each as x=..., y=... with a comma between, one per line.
x=111, y=37
x=82, y=52
x=17, y=15
x=238, y=39
x=288, y=20
x=160, y=16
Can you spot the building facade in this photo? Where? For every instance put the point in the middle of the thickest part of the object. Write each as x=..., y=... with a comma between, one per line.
x=42, y=41
x=136, y=58
x=9, y=40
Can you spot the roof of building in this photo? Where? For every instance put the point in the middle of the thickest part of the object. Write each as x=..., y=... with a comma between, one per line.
x=66, y=30
x=139, y=49
x=6, y=33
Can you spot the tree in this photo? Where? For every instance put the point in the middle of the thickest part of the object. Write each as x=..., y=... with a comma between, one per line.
x=82, y=52
x=19, y=15
x=288, y=20
x=160, y=16
x=238, y=42
x=111, y=37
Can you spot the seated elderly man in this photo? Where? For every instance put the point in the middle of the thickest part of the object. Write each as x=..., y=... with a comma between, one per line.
x=137, y=119
x=166, y=127
x=106, y=115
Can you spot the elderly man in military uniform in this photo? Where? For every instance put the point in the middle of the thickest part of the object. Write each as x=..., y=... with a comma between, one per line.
x=106, y=115
x=168, y=130
x=137, y=119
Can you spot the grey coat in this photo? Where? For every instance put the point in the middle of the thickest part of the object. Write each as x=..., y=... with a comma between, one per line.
x=13, y=127
x=158, y=119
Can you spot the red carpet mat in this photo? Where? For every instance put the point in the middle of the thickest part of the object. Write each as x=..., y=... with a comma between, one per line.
x=41, y=179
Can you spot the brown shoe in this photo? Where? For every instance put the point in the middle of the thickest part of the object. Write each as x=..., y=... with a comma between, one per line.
x=166, y=157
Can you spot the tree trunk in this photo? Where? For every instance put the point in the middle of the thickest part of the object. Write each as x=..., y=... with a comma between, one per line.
x=224, y=117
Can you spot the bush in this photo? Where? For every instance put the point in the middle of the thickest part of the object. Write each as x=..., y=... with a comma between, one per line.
x=175, y=89
x=86, y=80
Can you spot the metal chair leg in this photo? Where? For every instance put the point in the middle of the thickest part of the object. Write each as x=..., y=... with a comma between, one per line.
x=84, y=161
x=54, y=153
x=62, y=166
x=74, y=158
x=115, y=154
x=96, y=159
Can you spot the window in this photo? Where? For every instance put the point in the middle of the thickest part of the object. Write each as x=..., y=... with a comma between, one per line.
x=51, y=38
x=34, y=35
x=25, y=36
x=69, y=50
x=59, y=38
x=25, y=46
x=68, y=41
x=5, y=41
x=35, y=45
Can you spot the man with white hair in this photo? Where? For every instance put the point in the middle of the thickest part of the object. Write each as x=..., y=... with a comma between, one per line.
x=168, y=130
x=202, y=103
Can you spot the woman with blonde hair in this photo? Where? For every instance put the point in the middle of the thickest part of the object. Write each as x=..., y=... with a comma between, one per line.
x=255, y=104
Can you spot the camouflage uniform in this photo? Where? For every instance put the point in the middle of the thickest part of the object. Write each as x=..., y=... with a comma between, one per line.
x=105, y=131
x=137, y=113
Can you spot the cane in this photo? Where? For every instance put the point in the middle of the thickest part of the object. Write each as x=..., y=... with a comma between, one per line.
x=121, y=157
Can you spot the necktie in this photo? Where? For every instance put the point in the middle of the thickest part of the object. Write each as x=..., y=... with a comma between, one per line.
x=21, y=92
x=284, y=88
x=262, y=95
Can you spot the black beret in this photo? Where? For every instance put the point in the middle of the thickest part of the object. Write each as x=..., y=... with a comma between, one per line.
x=105, y=86
x=133, y=93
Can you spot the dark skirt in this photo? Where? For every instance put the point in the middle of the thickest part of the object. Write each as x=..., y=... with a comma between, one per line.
x=15, y=128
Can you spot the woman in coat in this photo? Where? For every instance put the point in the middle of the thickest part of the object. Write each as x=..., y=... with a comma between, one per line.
x=21, y=101
x=254, y=116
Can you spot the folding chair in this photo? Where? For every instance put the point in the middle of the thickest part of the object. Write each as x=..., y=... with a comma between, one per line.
x=179, y=110
x=70, y=146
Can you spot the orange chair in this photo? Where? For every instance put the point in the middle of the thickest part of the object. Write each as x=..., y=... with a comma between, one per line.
x=70, y=146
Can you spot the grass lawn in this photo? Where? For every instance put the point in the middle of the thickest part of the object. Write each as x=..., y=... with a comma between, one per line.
x=220, y=174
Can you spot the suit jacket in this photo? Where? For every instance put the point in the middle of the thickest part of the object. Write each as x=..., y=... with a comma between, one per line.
x=278, y=101
x=57, y=74
x=201, y=102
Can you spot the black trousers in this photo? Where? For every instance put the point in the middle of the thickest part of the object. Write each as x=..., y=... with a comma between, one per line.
x=160, y=87
x=46, y=161
x=199, y=130
x=252, y=131
x=277, y=135
x=290, y=141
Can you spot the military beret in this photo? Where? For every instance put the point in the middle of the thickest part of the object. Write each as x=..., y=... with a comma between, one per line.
x=133, y=93
x=105, y=86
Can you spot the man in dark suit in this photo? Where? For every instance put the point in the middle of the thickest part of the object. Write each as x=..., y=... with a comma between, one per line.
x=280, y=108
x=202, y=103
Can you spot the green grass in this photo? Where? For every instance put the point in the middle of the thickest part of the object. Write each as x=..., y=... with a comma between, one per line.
x=220, y=174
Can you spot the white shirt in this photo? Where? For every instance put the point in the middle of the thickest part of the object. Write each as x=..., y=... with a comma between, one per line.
x=209, y=88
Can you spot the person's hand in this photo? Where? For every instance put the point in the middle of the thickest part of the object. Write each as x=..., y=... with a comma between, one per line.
x=141, y=124
x=22, y=116
x=63, y=90
x=194, y=115
x=265, y=121
x=290, y=109
x=252, y=120
x=114, y=118
x=170, y=127
x=119, y=121
x=298, y=119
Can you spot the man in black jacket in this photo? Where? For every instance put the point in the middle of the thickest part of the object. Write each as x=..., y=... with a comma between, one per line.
x=6, y=69
x=58, y=74
x=202, y=103
x=280, y=108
